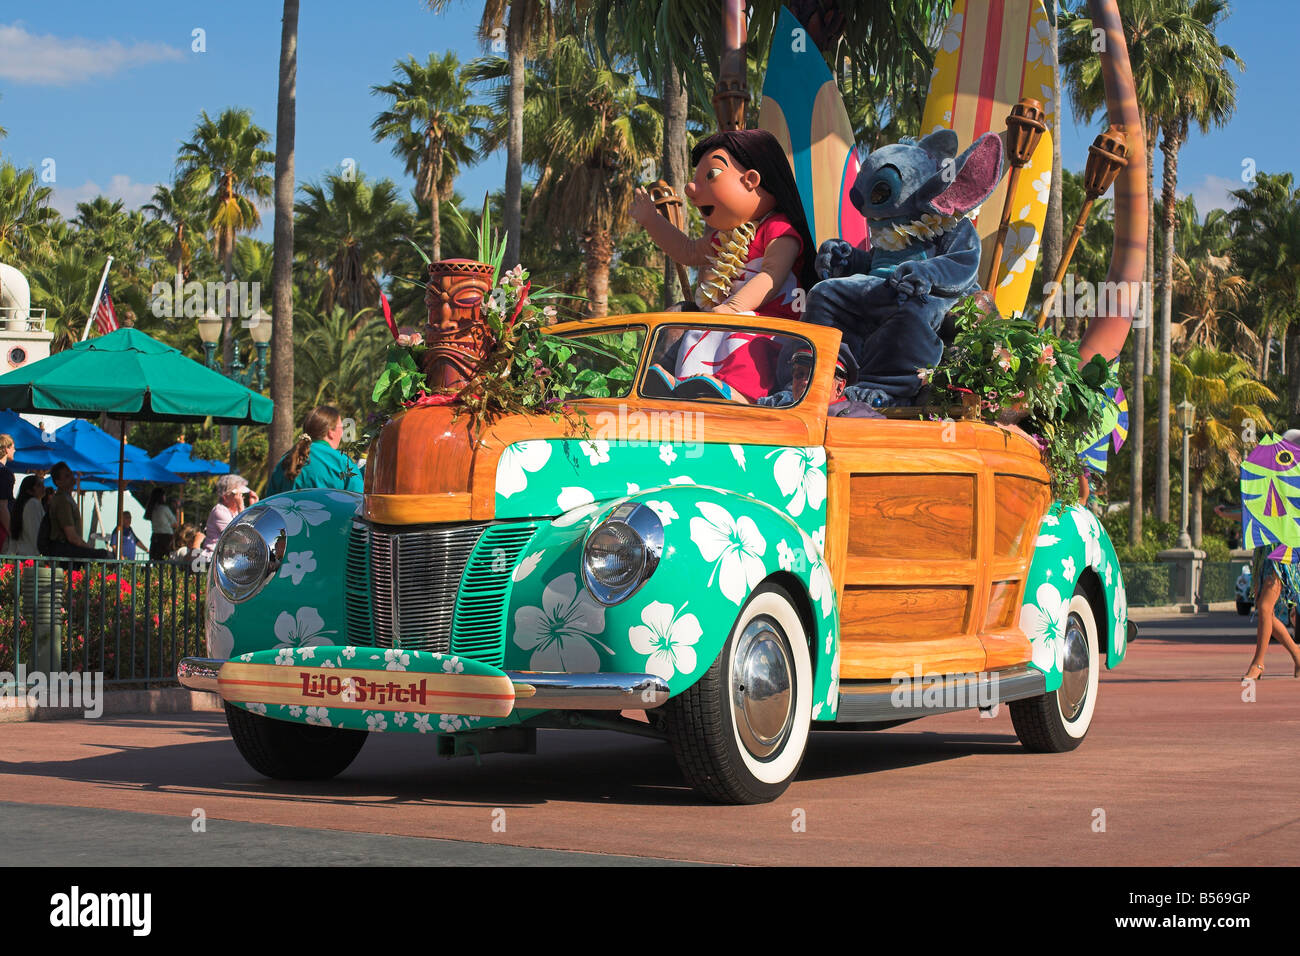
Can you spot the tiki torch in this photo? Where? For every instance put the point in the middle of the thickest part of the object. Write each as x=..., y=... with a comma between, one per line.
x=1025, y=127
x=669, y=205
x=1107, y=155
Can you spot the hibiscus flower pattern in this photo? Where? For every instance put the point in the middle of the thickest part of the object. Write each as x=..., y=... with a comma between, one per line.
x=304, y=628
x=299, y=514
x=800, y=473
x=561, y=634
x=1043, y=621
x=667, y=636
x=221, y=641
x=732, y=546
x=517, y=461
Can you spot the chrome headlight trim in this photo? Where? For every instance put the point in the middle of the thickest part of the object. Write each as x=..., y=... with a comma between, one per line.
x=255, y=525
x=644, y=524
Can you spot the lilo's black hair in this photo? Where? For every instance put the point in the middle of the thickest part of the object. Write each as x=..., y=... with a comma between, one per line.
x=757, y=149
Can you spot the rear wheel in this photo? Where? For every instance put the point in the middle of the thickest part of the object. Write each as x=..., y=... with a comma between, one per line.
x=1243, y=607
x=1057, y=722
x=288, y=751
x=739, y=734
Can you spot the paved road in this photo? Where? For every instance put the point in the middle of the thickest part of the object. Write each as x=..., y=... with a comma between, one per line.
x=1181, y=771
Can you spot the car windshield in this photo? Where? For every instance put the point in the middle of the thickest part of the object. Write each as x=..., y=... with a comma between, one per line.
x=747, y=366
x=601, y=364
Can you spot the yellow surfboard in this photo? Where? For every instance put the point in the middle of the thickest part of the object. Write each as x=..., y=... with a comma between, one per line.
x=993, y=54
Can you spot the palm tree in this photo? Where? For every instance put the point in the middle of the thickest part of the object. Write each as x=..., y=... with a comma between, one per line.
x=177, y=207
x=25, y=213
x=1226, y=393
x=64, y=285
x=589, y=130
x=228, y=156
x=282, y=372
x=434, y=128
x=338, y=352
x=524, y=23
x=349, y=228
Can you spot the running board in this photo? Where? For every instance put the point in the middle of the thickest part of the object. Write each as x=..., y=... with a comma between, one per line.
x=869, y=702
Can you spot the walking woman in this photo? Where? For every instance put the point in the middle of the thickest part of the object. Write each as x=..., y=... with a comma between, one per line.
x=163, y=520
x=315, y=460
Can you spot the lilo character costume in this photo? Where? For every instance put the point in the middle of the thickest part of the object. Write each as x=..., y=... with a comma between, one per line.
x=890, y=301
x=753, y=259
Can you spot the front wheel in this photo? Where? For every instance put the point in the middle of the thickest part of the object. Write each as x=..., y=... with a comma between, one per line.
x=288, y=751
x=739, y=734
x=1057, y=722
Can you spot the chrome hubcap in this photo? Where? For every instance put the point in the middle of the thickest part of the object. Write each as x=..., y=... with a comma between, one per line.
x=1074, y=671
x=761, y=701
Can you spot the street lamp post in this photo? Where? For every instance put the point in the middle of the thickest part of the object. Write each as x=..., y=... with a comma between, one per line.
x=251, y=376
x=1186, y=419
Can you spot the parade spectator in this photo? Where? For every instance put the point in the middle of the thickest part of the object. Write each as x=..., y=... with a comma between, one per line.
x=130, y=541
x=231, y=490
x=189, y=546
x=6, y=490
x=315, y=460
x=163, y=522
x=29, y=509
x=65, y=519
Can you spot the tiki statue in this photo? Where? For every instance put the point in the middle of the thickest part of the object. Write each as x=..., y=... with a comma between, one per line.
x=457, y=336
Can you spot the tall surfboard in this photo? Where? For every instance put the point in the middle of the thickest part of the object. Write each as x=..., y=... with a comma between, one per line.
x=803, y=109
x=994, y=53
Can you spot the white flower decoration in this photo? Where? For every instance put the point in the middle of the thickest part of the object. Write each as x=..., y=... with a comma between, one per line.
x=1043, y=622
x=738, y=453
x=1045, y=540
x=819, y=538
x=668, y=637
x=320, y=716
x=681, y=480
x=573, y=497
x=299, y=514
x=453, y=665
x=575, y=515
x=307, y=653
x=1022, y=249
x=256, y=707
x=951, y=41
x=561, y=633
x=297, y=565
x=1039, y=49
x=376, y=723
x=396, y=660
x=399, y=718
x=422, y=723
x=1042, y=186
x=304, y=629
x=326, y=663
x=1051, y=521
x=1067, y=568
x=450, y=722
x=667, y=455
x=596, y=450
x=784, y=556
x=517, y=461
x=800, y=474
x=349, y=652
x=1090, y=532
x=735, y=548
x=284, y=657
x=633, y=488
x=526, y=566
x=664, y=510
x=820, y=587
x=295, y=710
x=218, y=610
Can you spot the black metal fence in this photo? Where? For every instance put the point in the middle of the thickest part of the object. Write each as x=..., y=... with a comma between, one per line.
x=133, y=621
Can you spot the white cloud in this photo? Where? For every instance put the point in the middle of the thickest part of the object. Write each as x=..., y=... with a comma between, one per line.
x=120, y=186
x=48, y=60
x=1212, y=193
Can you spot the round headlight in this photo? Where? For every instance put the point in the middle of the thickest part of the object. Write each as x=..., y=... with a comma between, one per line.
x=249, y=552
x=622, y=552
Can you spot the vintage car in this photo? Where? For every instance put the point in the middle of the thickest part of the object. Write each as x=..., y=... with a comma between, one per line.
x=724, y=576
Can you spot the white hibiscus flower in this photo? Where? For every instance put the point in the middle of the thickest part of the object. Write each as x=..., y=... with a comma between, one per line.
x=596, y=450
x=1067, y=568
x=1042, y=185
x=573, y=497
x=738, y=453
x=668, y=637
x=376, y=723
x=299, y=514
x=633, y=488
x=349, y=652
x=450, y=722
x=453, y=665
x=1106, y=574
x=1039, y=49
x=254, y=707
x=784, y=556
x=833, y=692
x=951, y=41
x=667, y=455
x=320, y=716
x=304, y=629
x=1045, y=540
x=1090, y=532
x=396, y=660
x=681, y=480
x=664, y=510
x=422, y=723
x=217, y=611
x=819, y=538
x=295, y=710
x=284, y=657
x=326, y=663
x=399, y=718
x=801, y=476
x=735, y=548
x=820, y=587
x=297, y=565
x=527, y=566
x=1051, y=521
x=1049, y=102
x=1043, y=622
x=307, y=653
x=561, y=633
x=346, y=497
x=1022, y=249
x=517, y=461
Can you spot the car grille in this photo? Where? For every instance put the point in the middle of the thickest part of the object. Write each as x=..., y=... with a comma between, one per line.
x=436, y=589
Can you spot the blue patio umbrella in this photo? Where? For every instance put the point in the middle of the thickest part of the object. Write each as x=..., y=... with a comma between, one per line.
x=99, y=446
x=37, y=450
x=179, y=458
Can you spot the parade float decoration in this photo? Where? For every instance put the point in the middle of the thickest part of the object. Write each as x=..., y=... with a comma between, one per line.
x=738, y=574
x=1270, y=499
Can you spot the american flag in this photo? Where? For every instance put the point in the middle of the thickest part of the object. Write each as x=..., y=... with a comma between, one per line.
x=105, y=317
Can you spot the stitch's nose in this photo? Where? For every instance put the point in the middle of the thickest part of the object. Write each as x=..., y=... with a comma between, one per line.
x=855, y=196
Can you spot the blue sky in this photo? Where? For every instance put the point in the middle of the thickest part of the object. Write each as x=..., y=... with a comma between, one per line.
x=107, y=91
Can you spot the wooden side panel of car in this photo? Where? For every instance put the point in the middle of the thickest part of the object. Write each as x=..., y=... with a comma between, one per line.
x=930, y=530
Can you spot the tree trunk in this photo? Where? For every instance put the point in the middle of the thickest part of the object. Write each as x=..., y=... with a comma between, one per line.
x=1137, y=436
x=1268, y=353
x=1293, y=383
x=514, y=139
x=599, y=254
x=1196, y=494
x=282, y=419
x=675, y=159
x=435, y=201
x=1148, y=283
x=1175, y=133
x=1054, y=226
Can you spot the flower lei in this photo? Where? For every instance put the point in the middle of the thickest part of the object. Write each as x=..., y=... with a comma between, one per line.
x=899, y=235
x=725, y=262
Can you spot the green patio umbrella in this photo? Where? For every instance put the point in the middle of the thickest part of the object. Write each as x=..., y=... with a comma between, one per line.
x=130, y=376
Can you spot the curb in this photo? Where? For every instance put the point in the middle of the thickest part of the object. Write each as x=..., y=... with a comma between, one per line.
x=1177, y=610
x=120, y=703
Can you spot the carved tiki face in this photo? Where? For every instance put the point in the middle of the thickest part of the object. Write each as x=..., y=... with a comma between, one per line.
x=456, y=335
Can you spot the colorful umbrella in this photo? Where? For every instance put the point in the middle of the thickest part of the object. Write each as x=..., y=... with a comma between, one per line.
x=94, y=443
x=179, y=458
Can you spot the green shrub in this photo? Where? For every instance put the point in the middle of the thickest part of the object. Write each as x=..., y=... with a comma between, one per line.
x=1147, y=584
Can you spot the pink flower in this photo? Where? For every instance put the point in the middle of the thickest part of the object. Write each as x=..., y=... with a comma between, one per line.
x=549, y=312
x=1059, y=388
x=514, y=278
x=926, y=375
x=1047, y=356
x=1003, y=356
x=408, y=340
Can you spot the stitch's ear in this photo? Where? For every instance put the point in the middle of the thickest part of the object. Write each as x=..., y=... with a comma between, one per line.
x=977, y=173
x=941, y=143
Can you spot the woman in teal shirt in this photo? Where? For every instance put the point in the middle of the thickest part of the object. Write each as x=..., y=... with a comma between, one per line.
x=315, y=461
